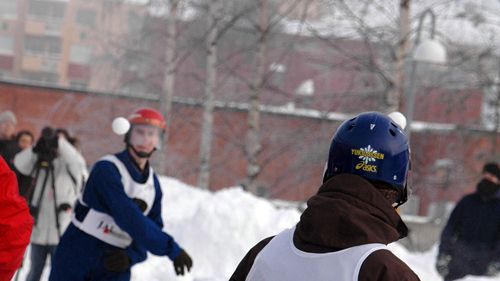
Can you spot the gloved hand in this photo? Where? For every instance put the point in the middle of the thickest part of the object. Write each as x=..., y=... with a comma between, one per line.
x=442, y=262
x=493, y=269
x=181, y=261
x=143, y=206
x=116, y=260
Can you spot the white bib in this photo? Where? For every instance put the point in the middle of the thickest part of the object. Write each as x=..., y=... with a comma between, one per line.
x=280, y=260
x=101, y=225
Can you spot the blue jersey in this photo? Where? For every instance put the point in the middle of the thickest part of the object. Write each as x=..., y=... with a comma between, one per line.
x=104, y=192
x=109, y=198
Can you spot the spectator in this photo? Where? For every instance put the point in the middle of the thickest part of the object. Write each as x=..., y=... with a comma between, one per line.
x=343, y=233
x=470, y=241
x=24, y=139
x=76, y=144
x=8, y=146
x=15, y=224
x=53, y=162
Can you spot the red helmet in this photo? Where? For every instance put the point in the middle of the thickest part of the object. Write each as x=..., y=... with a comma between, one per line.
x=147, y=116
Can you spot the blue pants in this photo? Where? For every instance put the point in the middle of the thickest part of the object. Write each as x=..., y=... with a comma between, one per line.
x=38, y=257
x=79, y=257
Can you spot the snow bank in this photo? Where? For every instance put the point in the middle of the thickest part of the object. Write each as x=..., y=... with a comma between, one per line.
x=218, y=228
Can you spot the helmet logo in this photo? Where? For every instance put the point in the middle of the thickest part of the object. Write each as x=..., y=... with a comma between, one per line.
x=372, y=126
x=367, y=155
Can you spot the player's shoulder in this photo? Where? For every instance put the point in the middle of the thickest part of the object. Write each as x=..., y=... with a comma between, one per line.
x=386, y=266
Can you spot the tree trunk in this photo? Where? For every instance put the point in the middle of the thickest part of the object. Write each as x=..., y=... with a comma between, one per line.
x=496, y=127
x=169, y=77
x=397, y=91
x=253, y=146
x=208, y=108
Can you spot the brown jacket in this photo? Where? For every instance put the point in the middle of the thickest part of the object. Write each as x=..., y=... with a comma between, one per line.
x=347, y=211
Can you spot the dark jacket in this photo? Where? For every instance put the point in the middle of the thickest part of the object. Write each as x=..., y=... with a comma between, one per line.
x=8, y=149
x=347, y=211
x=471, y=236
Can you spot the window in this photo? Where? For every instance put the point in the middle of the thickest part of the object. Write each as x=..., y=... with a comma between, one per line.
x=490, y=108
x=6, y=45
x=78, y=84
x=86, y=17
x=80, y=54
x=8, y=9
x=43, y=45
x=46, y=9
x=51, y=78
x=278, y=71
x=306, y=88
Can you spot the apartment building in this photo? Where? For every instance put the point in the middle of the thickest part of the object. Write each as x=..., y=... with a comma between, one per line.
x=61, y=42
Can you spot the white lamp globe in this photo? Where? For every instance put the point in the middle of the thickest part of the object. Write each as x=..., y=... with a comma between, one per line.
x=430, y=51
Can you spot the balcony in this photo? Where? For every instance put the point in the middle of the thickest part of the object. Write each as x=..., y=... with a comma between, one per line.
x=40, y=63
x=45, y=17
x=41, y=27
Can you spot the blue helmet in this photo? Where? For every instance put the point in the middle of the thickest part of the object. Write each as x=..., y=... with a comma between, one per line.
x=374, y=147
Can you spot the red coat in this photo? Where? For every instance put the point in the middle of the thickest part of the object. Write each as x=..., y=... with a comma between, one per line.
x=15, y=223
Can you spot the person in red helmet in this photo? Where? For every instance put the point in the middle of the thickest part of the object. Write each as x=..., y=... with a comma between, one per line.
x=117, y=219
x=15, y=223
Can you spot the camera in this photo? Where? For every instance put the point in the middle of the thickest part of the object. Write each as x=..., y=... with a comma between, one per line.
x=47, y=144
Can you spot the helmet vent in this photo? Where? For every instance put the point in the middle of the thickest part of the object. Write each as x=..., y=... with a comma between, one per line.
x=351, y=126
x=393, y=133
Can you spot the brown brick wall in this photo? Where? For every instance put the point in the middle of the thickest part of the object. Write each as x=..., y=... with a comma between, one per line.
x=294, y=149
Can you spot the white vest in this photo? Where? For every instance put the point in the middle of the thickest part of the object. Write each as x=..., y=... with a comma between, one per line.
x=281, y=260
x=101, y=225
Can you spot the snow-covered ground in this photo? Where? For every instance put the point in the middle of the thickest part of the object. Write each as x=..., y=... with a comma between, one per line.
x=217, y=229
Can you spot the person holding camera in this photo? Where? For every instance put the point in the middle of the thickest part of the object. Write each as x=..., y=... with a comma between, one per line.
x=8, y=146
x=55, y=167
x=117, y=219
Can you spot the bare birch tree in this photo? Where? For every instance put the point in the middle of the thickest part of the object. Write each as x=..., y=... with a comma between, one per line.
x=208, y=106
x=253, y=140
x=169, y=75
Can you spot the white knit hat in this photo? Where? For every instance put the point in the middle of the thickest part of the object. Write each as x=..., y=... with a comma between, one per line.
x=8, y=116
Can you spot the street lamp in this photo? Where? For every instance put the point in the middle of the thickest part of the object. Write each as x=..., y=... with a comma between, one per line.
x=429, y=51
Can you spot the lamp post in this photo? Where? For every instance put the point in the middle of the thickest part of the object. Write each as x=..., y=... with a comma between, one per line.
x=429, y=51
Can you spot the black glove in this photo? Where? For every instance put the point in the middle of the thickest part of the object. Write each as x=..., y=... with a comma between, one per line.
x=442, y=262
x=63, y=207
x=181, y=261
x=143, y=206
x=116, y=260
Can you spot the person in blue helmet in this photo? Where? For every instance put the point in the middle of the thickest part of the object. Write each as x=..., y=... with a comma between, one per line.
x=343, y=233
x=117, y=219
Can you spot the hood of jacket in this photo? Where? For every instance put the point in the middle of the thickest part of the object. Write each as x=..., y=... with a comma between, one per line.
x=347, y=211
x=488, y=190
